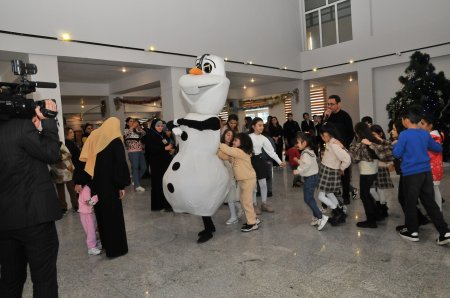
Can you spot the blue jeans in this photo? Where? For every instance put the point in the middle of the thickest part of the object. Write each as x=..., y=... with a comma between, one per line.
x=138, y=166
x=309, y=187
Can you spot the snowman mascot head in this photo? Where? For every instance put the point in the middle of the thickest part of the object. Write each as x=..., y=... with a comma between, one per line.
x=205, y=88
x=197, y=181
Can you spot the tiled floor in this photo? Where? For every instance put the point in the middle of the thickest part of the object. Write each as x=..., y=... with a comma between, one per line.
x=286, y=257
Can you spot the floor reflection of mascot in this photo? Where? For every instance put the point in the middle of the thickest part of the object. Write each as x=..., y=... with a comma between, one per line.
x=196, y=181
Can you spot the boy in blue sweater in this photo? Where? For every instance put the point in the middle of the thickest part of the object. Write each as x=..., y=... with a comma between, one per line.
x=411, y=148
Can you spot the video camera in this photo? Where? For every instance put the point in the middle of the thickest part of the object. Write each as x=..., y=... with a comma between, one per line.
x=13, y=103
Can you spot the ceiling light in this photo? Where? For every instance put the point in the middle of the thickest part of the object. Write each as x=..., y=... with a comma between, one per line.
x=152, y=49
x=312, y=85
x=351, y=61
x=314, y=69
x=226, y=59
x=351, y=79
x=252, y=80
x=245, y=87
x=65, y=37
x=124, y=69
x=285, y=67
x=250, y=62
x=82, y=106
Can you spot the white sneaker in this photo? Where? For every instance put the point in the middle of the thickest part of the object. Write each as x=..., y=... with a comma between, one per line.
x=99, y=244
x=140, y=189
x=94, y=251
x=322, y=222
x=232, y=221
x=258, y=221
x=315, y=221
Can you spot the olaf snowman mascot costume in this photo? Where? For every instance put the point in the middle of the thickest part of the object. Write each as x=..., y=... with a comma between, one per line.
x=196, y=181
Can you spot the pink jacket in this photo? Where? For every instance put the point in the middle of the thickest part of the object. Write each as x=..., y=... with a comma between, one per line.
x=85, y=201
x=436, y=157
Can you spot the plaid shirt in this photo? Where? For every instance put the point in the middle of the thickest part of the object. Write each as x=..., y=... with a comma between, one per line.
x=360, y=151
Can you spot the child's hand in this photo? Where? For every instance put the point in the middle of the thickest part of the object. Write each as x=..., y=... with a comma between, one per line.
x=296, y=172
x=295, y=159
x=283, y=164
x=366, y=141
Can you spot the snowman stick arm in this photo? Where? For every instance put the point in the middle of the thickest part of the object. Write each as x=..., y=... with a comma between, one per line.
x=212, y=123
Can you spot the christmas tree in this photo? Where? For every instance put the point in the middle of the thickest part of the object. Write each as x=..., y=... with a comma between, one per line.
x=425, y=88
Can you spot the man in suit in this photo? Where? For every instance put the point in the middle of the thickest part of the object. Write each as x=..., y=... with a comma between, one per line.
x=290, y=129
x=28, y=205
x=307, y=124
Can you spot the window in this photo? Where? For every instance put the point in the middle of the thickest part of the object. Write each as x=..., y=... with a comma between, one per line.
x=327, y=22
x=262, y=113
x=317, y=98
x=287, y=106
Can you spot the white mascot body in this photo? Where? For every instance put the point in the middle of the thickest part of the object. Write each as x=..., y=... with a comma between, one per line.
x=197, y=181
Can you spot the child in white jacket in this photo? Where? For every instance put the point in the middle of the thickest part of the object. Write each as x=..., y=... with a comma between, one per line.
x=309, y=169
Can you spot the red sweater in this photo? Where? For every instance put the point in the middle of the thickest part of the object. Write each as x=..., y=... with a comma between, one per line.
x=291, y=153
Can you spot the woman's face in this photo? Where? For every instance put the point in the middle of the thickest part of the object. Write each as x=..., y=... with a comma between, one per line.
x=232, y=124
x=258, y=127
x=228, y=137
x=325, y=137
x=89, y=129
x=70, y=135
x=236, y=143
x=274, y=121
x=159, y=127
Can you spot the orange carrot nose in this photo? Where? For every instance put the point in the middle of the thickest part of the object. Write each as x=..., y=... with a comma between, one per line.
x=195, y=71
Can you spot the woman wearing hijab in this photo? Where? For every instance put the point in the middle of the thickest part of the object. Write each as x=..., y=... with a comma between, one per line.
x=104, y=155
x=158, y=151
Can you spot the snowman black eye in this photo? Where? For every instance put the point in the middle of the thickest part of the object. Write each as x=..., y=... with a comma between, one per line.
x=207, y=67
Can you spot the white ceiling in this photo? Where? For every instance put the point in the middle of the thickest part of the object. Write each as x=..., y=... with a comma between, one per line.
x=336, y=80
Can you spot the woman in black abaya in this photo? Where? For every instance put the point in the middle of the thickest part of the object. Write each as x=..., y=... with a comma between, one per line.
x=104, y=155
x=159, y=153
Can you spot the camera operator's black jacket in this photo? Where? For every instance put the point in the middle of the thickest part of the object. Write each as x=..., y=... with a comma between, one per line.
x=27, y=194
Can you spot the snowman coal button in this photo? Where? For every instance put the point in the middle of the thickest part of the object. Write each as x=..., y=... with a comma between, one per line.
x=184, y=136
x=170, y=187
x=176, y=166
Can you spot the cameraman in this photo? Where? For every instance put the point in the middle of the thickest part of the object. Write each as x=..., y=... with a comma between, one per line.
x=28, y=204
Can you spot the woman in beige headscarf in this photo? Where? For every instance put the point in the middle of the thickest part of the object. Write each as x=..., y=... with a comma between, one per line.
x=105, y=162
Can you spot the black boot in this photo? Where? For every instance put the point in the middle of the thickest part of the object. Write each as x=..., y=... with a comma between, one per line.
x=378, y=212
x=207, y=233
x=338, y=216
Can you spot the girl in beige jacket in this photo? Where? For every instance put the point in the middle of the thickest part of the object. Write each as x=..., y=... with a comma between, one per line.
x=239, y=156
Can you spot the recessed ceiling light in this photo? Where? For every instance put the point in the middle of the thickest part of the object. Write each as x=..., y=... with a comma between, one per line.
x=226, y=59
x=82, y=106
x=252, y=80
x=152, y=48
x=351, y=79
x=314, y=69
x=285, y=67
x=351, y=61
x=124, y=69
x=245, y=87
x=250, y=62
x=65, y=36
x=312, y=85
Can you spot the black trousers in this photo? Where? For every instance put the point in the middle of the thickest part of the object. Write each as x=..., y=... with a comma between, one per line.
x=345, y=179
x=402, y=200
x=37, y=246
x=421, y=186
x=208, y=223
x=370, y=207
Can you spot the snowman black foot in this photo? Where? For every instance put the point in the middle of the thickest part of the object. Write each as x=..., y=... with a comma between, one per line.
x=205, y=236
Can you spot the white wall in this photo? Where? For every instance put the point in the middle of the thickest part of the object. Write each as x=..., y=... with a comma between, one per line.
x=264, y=31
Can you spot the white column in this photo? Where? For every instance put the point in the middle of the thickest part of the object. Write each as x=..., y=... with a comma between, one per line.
x=112, y=111
x=303, y=104
x=48, y=72
x=173, y=105
x=365, y=84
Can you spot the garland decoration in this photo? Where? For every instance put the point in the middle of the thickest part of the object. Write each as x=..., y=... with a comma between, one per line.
x=269, y=102
x=118, y=101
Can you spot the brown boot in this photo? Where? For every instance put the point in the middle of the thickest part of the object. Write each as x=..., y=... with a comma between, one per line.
x=267, y=208
x=257, y=209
